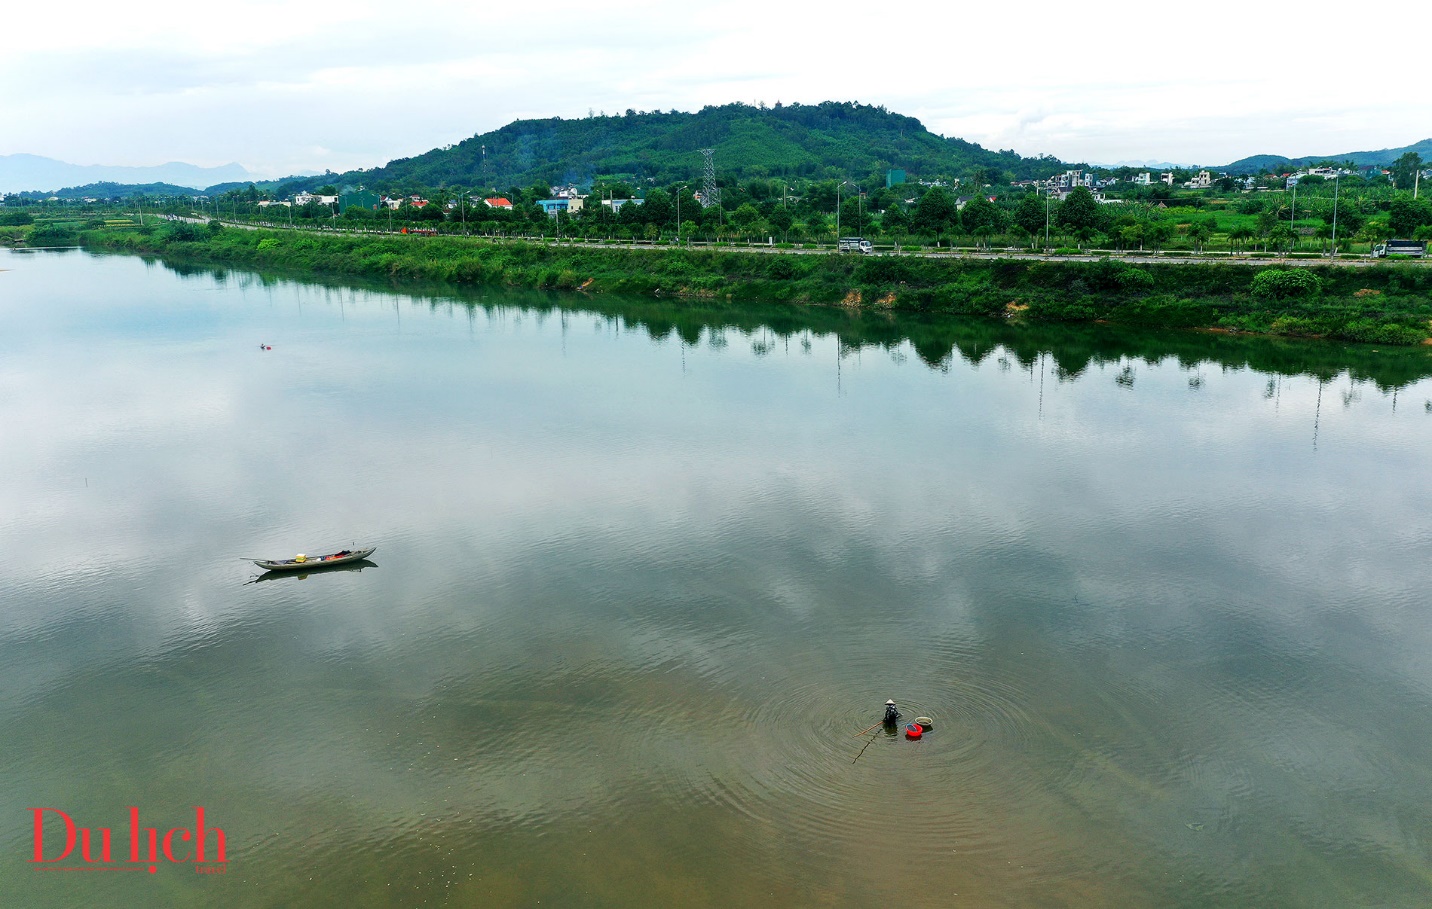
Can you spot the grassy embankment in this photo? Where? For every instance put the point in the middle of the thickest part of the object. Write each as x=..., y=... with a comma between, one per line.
x=1389, y=304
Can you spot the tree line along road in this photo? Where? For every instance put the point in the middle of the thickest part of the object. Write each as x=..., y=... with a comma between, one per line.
x=1139, y=258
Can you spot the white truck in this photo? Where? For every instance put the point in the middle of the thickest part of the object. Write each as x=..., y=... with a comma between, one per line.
x=1414, y=248
x=855, y=244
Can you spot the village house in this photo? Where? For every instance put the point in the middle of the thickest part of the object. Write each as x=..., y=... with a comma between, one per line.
x=500, y=202
x=1072, y=178
x=551, y=207
x=1062, y=193
x=962, y=201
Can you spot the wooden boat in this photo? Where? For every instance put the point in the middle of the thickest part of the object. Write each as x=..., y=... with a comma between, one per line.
x=309, y=563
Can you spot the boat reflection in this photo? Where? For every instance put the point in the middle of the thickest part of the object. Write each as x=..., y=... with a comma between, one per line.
x=332, y=569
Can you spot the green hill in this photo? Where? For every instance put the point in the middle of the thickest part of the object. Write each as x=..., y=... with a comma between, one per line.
x=828, y=140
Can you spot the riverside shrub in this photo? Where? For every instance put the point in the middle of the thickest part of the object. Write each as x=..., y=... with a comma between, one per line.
x=1285, y=284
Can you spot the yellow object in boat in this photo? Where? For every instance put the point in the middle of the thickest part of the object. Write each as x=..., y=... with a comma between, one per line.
x=301, y=558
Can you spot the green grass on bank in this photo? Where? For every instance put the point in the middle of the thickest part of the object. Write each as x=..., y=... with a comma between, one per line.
x=1389, y=304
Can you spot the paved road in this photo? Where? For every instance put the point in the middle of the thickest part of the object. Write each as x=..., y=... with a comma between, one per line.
x=1134, y=258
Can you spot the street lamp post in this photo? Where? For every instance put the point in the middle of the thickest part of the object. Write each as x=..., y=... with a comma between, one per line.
x=1336, y=178
x=1046, y=220
x=837, y=210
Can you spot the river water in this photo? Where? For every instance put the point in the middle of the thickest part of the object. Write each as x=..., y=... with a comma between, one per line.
x=645, y=570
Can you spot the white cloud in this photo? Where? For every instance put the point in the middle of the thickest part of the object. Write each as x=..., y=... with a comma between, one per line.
x=365, y=81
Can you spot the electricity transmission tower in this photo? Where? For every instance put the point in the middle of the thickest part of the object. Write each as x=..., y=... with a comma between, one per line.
x=710, y=193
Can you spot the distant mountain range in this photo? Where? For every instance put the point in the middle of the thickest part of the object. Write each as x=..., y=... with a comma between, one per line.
x=1152, y=165
x=1380, y=158
x=22, y=173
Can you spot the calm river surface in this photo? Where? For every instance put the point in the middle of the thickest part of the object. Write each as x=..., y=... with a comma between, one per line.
x=645, y=570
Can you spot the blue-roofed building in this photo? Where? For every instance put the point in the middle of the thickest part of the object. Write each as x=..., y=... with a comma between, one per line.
x=550, y=207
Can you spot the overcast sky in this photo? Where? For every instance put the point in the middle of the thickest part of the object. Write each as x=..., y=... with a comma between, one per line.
x=283, y=87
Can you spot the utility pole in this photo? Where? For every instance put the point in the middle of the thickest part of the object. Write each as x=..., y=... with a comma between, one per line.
x=1336, y=178
x=1046, y=220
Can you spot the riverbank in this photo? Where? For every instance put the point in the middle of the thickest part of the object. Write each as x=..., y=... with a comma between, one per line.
x=1385, y=304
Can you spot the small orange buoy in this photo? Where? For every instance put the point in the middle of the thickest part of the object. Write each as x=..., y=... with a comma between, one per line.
x=913, y=731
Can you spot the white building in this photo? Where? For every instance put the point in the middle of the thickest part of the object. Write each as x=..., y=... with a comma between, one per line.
x=1072, y=178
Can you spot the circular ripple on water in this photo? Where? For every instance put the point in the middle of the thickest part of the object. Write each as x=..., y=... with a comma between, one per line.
x=792, y=757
